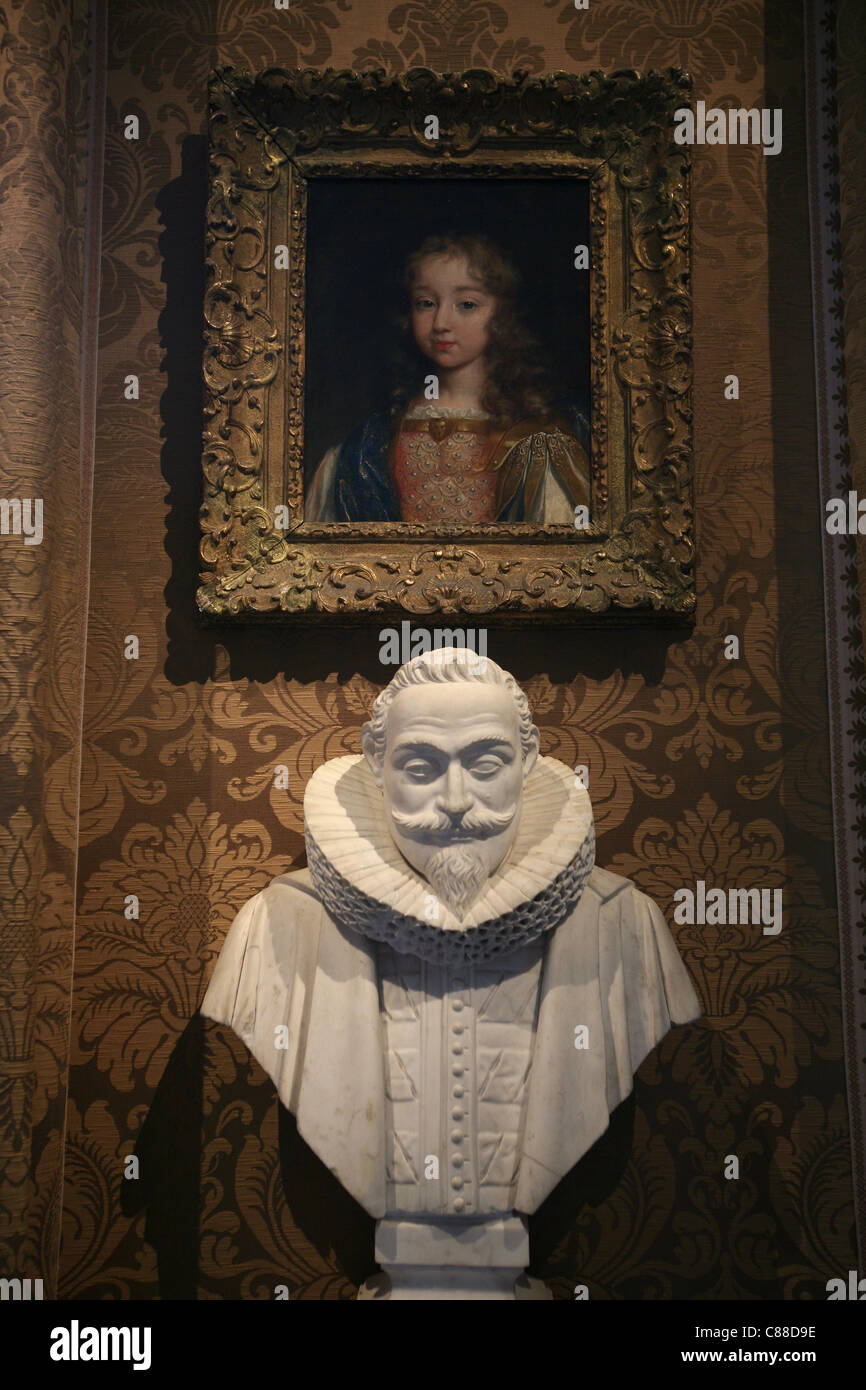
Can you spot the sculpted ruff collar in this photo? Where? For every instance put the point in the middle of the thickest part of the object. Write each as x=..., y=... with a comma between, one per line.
x=368, y=887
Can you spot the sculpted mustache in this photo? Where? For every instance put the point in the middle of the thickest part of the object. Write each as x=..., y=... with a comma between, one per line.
x=429, y=822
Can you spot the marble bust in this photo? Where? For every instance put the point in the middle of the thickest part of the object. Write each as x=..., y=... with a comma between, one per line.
x=452, y=997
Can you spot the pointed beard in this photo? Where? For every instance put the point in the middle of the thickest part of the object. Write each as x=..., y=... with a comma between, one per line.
x=457, y=875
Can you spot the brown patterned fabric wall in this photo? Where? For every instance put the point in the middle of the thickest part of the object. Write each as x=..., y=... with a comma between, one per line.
x=701, y=767
x=47, y=198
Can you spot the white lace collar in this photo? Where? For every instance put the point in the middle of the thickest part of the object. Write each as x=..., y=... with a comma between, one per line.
x=434, y=411
x=368, y=886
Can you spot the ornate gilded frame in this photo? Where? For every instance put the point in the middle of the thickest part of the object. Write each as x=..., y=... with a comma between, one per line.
x=270, y=134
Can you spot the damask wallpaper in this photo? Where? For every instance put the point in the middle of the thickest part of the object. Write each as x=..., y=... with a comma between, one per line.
x=701, y=767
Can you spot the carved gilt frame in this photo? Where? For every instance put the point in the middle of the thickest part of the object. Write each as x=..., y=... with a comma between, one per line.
x=268, y=136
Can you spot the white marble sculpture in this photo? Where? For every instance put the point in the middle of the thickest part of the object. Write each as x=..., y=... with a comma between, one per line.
x=452, y=998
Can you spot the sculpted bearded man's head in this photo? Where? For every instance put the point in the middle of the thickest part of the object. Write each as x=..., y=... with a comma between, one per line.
x=451, y=743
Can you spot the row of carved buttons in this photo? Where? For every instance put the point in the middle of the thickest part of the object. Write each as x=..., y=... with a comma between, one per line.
x=457, y=1113
x=457, y=1069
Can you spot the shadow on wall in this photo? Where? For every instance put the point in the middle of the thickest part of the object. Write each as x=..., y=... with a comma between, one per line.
x=262, y=652
x=169, y=1190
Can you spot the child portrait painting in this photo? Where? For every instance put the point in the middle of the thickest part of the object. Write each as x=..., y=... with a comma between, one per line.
x=448, y=347
x=447, y=354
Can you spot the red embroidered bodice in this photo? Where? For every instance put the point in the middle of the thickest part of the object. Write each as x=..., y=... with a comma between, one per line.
x=441, y=472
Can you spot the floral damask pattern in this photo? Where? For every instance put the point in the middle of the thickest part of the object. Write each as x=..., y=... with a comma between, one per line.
x=450, y=35
x=712, y=39
x=108, y=779
x=46, y=459
x=770, y=1003
x=701, y=765
x=142, y=965
x=35, y=957
x=807, y=1178
x=94, y=1164
x=247, y=1228
x=297, y=730
x=162, y=42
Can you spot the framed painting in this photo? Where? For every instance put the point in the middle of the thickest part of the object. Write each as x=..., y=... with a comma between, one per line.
x=447, y=354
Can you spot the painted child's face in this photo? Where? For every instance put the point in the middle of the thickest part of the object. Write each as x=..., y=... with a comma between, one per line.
x=451, y=311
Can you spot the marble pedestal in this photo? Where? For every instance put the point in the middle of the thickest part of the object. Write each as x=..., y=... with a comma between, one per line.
x=430, y=1259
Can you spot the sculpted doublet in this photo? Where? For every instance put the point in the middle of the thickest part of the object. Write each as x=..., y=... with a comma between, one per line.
x=458, y=1050
x=450, y=1054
